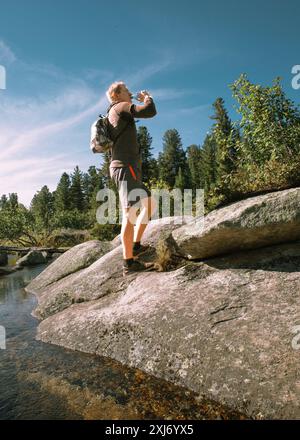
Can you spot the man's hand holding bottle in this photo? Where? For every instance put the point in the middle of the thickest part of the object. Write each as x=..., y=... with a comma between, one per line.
x=143, y=95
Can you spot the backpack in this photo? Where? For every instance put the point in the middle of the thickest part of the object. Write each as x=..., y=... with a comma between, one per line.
x=101, y=140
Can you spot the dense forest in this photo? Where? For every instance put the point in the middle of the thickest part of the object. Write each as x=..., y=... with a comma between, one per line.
x=259, y=152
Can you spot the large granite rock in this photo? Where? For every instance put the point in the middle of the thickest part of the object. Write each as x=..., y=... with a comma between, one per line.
x=247, y=224
x=223, y=327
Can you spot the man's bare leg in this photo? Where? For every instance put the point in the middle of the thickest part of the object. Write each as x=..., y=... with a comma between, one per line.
x=127, y=230
x=147, y=209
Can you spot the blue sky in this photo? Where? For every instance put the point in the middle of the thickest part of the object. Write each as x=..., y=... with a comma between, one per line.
x=61, y=56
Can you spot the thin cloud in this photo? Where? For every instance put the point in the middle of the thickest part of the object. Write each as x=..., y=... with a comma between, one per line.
x=148, y=71
x=103, y=76
x=189, y=55
x=7, y=56
x=34, y=129
x=40, y=134
x=187, y=112
x=168, y=94
x=13, y=166
x=194, y=110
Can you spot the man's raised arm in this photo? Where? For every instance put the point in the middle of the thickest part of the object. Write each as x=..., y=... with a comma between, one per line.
x=147, y=110
x=129, y=110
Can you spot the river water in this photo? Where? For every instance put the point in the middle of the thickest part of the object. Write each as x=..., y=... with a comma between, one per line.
x=44, y=381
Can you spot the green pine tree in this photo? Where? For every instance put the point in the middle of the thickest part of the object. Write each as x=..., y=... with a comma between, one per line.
x=172, y=158
x=76, y=190
x=3, y=201
x=154, y=169
x=145, y=141
x=195, y=164
x=104, y=172
x=13, y=201
x=92, y=183
x=208, y=153
x=225, y=137
x=62, y=194
x=42, y=208
x=180, y=180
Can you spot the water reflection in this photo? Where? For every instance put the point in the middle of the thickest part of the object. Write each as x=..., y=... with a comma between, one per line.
x=43, y=381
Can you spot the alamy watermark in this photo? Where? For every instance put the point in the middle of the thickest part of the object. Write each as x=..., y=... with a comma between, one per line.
x=183, y=204
x=2, y=77
x=2, y=338
x=296, y=78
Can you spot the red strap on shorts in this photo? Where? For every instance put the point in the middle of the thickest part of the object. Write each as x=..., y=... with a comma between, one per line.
x=132, y=172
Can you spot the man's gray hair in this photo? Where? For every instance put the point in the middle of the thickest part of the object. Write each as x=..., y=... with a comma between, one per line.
x=113, y=89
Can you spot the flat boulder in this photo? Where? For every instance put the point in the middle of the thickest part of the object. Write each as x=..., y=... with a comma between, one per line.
x=75, y=259
x=86, y=284
x=248, y=224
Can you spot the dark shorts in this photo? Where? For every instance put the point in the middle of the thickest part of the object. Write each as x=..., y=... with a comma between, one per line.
x=129, y=184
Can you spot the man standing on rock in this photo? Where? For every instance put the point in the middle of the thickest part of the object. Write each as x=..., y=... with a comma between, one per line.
x=126, y=171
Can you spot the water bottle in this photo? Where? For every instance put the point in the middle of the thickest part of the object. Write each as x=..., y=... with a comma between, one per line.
x=135, y=95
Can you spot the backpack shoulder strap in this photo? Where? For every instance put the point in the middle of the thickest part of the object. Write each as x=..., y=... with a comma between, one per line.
x=113, y=105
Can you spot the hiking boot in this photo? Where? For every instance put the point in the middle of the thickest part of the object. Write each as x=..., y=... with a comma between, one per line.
x=137, y=266
x=142, y=248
